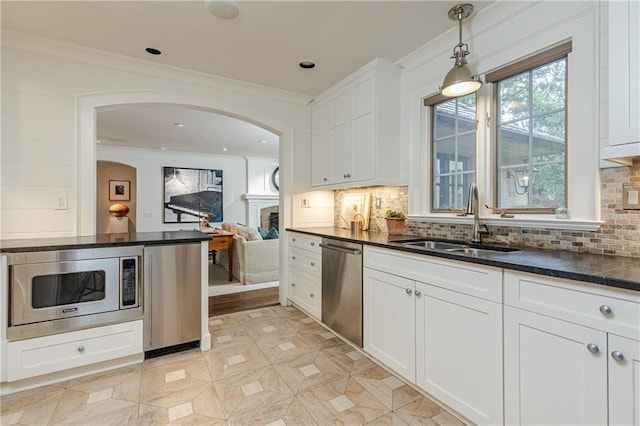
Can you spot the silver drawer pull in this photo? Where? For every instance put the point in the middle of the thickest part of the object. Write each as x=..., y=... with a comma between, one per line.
x=312, y=295
x=617, y=355
x=313, y=263
x=593, y=348
x=293, y=284
x=606, y=310
x=418, y=293
x=80, y=348
x=408, y=291
x=293, y=239
x=313, y=244
x=293, y=258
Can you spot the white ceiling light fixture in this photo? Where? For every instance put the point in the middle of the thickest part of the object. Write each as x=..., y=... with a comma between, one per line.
x=223, y=9
x=460, y=80
x=178, y=125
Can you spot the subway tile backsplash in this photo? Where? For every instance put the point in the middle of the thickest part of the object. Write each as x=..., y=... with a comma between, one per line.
x=619, y=234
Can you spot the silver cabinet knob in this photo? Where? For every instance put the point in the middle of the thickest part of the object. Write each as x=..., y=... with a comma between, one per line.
x=293, y=284
x=312, y=295
x=80, y=348
x=293, y=239
x=617, y=355
x=313, y=263
x=313, y=244
x=348, y=175
x=324, y=179
x=293, y=258
x=593, y=348
x=606, y=310
x=408, y=291
x=418, y=293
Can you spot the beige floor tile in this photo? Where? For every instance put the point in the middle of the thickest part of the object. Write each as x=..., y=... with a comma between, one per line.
x=208, y=404
x=419, y=412
x=235, y=361
x=388, y=420
x=72, y=409
x=446, y=419
x=297, y=415
x=261, y=408
x=36, y=405
x=124, y=381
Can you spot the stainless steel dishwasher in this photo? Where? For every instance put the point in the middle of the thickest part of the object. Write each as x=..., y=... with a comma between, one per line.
x=172, y=294
x=342, y=288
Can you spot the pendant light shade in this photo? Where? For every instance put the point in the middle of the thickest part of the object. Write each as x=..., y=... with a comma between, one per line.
x=460, y=81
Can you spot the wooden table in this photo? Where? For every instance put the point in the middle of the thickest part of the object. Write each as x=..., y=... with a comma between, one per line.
x=223, y=240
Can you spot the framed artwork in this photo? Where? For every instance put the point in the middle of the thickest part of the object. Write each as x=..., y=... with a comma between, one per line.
x=352, y=205
x=275, y=178
x=191, y=195
x=119, y=190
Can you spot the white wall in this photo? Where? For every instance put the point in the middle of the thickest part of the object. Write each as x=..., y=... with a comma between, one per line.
x=498, y=35
x=150, y=200
x=49, y=94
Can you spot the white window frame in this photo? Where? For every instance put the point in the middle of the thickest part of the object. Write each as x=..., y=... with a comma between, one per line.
x=533, y=27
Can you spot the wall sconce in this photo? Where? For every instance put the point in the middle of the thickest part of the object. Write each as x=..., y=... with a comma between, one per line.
x=460, y=81
x=522, y=179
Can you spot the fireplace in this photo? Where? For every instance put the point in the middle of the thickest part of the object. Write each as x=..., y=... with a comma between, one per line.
x=273, y=220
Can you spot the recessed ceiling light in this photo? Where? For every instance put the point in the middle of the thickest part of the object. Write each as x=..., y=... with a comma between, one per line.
x=153, y=51
x=223, y=9
x=163, y=148
x=224, y=149
x=178, y=125
x=307, y=65
x=263, y=141
x=97, y=141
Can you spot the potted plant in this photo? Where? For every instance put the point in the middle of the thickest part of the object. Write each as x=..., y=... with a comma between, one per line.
x=395, y=221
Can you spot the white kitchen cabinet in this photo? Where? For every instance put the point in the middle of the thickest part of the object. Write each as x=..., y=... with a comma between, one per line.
x=438, y=323
x=459, y=351
x=57, y=352
x=551, y=377
x=305, y=272
x=389, y=321
x=624, y=69
x=624, y=381
x=355, y=130
x=559, y=340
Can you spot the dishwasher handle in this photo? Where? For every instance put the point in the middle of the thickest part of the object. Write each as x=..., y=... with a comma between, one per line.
x=341, y=249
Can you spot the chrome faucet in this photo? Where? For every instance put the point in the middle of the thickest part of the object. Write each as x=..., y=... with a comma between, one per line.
x=479, y=228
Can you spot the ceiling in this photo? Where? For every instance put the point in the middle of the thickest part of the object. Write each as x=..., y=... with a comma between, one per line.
x=263, y=45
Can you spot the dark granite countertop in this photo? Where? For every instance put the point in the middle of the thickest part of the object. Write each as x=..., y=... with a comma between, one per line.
x=613, y=271
x=101, y=240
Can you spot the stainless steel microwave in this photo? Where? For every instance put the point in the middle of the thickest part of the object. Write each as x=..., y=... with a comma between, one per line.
x=55, y=291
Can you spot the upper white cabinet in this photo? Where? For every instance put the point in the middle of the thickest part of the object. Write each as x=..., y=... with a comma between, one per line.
x=355, y=130
x=624, y=81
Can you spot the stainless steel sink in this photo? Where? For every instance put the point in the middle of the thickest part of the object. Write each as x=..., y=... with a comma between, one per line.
x=455, y=247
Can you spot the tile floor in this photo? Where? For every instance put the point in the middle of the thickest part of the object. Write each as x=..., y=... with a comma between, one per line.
x=269, y=366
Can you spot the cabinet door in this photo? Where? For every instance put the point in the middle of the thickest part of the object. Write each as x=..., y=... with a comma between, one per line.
x=459, y=351
x=306, y=292
x=363, y=130
x=340, y=137
x=624, y=68
x=624, y=381
x=320, y=146
x=389, y=321
x=551, y=376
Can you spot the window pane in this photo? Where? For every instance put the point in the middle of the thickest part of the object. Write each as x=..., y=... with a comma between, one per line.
x=549, y=87
x=454, y=151
x=531, y=139
x=514, y=98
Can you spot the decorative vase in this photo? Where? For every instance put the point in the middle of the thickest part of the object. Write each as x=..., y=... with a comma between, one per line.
x=395, y=225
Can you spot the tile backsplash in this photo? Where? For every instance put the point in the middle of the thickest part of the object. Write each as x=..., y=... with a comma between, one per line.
x=618, y=235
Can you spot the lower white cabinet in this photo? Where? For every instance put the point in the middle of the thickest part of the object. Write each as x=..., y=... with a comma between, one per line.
x=389, y=321
x=447, y=342
x=624, y=381
x=49, y=354
x=552, y=374
x=571, y=352
x=305, y=272
x=459, y=351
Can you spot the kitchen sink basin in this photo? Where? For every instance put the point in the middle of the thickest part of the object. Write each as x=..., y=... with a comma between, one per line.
x=455, y=247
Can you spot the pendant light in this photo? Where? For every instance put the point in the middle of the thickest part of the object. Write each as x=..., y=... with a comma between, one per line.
x=460, y=80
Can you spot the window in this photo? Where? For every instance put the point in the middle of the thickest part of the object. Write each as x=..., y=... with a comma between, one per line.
x=530, y=136
x=454, y=151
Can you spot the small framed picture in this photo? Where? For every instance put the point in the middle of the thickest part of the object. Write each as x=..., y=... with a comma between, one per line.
x=119, y=190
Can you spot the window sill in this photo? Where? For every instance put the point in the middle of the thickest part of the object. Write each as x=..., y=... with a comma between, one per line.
x=519, y=221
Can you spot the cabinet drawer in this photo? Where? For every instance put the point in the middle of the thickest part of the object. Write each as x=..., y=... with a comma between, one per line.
x=42, y=355
x=475, y=280
x=306, y=292
x=307, y=261
x=578, y=302
x=305, y=242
